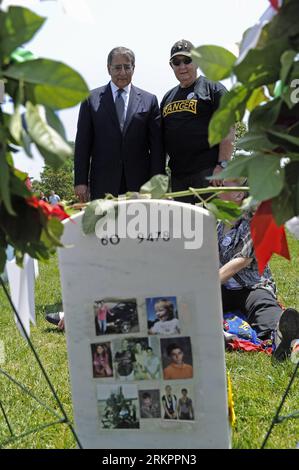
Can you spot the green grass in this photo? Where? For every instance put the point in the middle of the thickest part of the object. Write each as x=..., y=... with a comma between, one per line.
x=257, y=385
x=23, y=412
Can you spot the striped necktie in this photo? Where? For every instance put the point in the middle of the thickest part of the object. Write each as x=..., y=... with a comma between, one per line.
x=120, y=108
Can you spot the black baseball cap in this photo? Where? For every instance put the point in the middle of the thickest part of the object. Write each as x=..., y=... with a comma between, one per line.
x=182, y=47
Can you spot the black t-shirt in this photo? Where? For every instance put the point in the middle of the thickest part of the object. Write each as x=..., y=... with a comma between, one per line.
x=186, y=114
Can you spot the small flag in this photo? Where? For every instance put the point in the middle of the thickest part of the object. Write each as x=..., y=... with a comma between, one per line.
x=268, y=238
x=276, y=4
x=21, y=284
x=231, y=404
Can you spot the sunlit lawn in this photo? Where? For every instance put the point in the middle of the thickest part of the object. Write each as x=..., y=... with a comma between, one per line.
x=257, y=385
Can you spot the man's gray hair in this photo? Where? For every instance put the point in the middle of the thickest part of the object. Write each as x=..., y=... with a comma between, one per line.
x=123, y=51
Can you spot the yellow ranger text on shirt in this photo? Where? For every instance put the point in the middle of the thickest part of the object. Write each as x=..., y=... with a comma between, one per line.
x=179, y=106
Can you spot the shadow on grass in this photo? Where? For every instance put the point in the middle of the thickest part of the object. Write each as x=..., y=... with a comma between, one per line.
x=54, y=330
x=53, y=308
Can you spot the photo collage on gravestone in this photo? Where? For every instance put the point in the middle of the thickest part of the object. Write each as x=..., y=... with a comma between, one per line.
x=142, y=362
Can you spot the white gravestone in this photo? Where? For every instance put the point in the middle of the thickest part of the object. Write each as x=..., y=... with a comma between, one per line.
x=144, y=329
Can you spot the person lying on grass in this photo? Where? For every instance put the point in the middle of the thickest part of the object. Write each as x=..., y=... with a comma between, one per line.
x=244, y=289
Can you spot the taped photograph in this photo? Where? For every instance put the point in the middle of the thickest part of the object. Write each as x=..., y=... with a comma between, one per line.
x=177, y=358
x=115, y=316
x=137, y=359
x=118, y=406
x=162, y=316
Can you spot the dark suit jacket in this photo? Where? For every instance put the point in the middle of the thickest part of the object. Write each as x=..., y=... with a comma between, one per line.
x=103, y=152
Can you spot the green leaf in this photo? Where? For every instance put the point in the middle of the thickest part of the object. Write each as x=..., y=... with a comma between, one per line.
x=54, y=230
x=261, y=66
x=224, y=210
x=292, y=182
x=282, y=206
x=22, y=228
x=265, y=177
x=2, y=90
x=47, y=139
x=3, y=246
x=284, y=25
x=290, y=93
x=54, y=121
x=235, y=168
x=287, y=61
x=265, y=116
x=286, y=204
x=257, y=97
x=216, y=62
x=52, y=159
x=255, y=141
x=41, y=250
x=15, y=126
x=4, y=183
x=157, y=186
x=18, y=26
x=17, y=184
x=293, y=156
x=22, y=55
x=2, y=258
x=26, y=142
x=271, y=89
x=231, y=109
x=49, y=82
x=95, y=211
x=289, y=142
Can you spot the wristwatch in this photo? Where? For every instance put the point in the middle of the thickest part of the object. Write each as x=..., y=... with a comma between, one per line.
x=223, y=164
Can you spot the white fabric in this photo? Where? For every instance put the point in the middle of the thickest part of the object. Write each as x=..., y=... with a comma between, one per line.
x=293, y=226
x=21, y=283
x=36, y=270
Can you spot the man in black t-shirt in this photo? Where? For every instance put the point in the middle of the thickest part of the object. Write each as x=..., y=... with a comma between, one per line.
x=186, y=113
x=124, y=361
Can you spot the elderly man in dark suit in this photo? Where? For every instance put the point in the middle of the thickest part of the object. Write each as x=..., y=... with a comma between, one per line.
x=118, y=144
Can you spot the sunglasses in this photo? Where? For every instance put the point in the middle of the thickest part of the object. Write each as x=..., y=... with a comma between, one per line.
x=186, y=60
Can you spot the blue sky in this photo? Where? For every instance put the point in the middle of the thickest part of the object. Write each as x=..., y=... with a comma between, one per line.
x=82, y=33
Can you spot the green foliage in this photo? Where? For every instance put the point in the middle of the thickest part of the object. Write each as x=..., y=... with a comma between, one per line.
x=23, y=412
x=48, y=82
x=98, y=210
x=42, y=86
x=156, y=186
x=50, y=144
x=37, y=187
x=17, y=27
x=232, y=109
x=224, y=210
x=240, y=131
x=214, y=61
x=61, y=181
x=273, y=127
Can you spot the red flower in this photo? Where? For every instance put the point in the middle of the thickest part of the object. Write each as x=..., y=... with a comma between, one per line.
x=267, y=237
x=276, y=4
x=47, y=209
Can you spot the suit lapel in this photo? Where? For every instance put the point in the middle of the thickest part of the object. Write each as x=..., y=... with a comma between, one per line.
x=106, y=100
x=134, y=102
